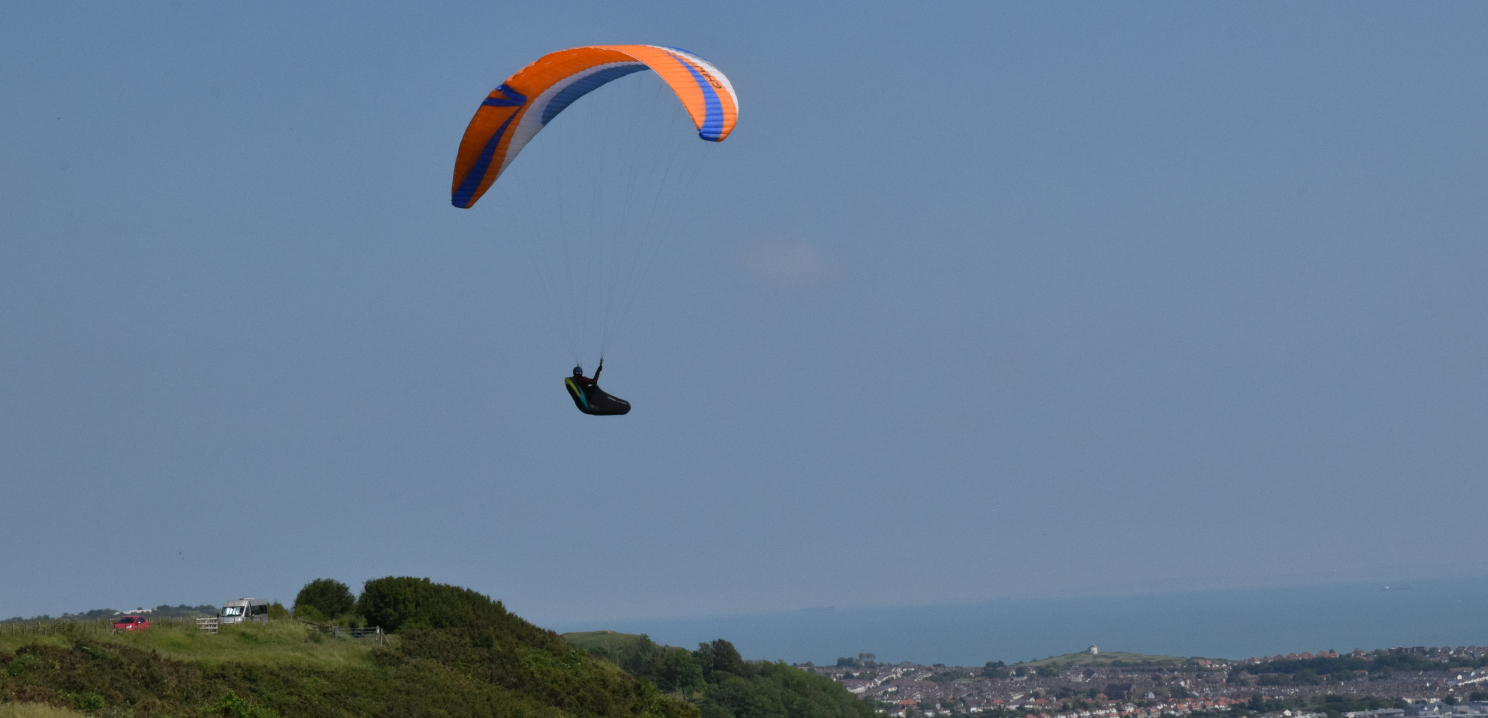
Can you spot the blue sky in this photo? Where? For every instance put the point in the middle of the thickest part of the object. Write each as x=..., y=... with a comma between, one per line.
x=979, y=300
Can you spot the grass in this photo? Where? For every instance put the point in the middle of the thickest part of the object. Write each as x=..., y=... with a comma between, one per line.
x=277, y=643
x=35, y=710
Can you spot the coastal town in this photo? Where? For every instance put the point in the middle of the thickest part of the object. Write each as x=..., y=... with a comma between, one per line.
x=1416, y=681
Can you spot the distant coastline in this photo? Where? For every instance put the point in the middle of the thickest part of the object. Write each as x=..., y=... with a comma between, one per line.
x=1232, y=623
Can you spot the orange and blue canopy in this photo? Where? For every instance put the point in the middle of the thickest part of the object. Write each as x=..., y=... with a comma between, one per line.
x=515, y=111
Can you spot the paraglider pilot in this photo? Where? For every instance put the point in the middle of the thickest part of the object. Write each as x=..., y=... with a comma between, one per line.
x=591, y=399
x=581, y=380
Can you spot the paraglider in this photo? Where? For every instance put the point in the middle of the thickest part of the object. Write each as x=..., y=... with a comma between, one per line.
x=589, y=398
x=513, y=113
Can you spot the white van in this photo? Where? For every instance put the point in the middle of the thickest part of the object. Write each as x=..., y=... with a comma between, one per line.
x=245, y=610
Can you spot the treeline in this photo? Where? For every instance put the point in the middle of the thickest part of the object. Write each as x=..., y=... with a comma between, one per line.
x=1379, y=665
x=722, y=684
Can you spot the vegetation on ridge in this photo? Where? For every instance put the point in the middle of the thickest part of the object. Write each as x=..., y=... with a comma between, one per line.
x=456, y=653
x=721, y=682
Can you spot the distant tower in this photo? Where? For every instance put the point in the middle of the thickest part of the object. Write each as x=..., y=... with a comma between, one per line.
x=1093, y=650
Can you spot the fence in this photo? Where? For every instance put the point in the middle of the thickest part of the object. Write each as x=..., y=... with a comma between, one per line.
x=52, y=628
x=206, y=624
x=373, y=632
x=79, y=626
x=369, y=633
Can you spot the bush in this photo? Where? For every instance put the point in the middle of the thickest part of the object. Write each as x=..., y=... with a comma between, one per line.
x=21, y=665
x=308, y=613
x=327, y=596
x=399, y=602
x=671, y=669
x=761, y=689
x=718, y=657
x=87, y=701
x=235, y=707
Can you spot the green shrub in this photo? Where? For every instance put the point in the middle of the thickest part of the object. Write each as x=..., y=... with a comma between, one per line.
x=20, y=665
x=232, y=705
x=733, y=687
x=775, y=690
x=717, y=657
x=671, y=669
x=327, y=596
x=309, y=613
x=87, y=701
x=399, y=602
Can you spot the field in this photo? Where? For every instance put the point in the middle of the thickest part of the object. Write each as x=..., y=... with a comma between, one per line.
x=277, y=643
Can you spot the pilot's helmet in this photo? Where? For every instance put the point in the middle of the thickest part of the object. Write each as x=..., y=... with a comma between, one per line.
x=578, y=371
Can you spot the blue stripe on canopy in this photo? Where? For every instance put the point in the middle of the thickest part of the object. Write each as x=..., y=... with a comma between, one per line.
x=462, y=197
x=579, y=88
x=713, y=119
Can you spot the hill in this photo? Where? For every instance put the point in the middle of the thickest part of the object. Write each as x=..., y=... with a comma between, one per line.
x=1114, y=658
x=454, y=653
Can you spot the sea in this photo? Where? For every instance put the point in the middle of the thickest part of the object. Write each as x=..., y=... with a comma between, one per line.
x=1228, y=623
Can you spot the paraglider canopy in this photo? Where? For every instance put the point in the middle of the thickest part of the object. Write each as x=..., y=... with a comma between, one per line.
x=516, y=110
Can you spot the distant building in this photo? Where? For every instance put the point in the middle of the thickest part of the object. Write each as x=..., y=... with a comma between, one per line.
x=1093, y=650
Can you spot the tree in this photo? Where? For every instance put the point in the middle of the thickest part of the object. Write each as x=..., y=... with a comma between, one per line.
x=717, y=657
x=329, y=597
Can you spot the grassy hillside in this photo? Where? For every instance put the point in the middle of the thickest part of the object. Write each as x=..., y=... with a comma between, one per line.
x=456, y=653
x=1106, y=659
x=279, y=643
x=453, y=653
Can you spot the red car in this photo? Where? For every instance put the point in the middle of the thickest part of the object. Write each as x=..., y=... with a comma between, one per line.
x=132, y=623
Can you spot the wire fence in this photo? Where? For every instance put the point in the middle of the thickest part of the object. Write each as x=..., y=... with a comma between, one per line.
x=82, y=627
x=76, y=626
x=88, y=626
x=369, y=633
